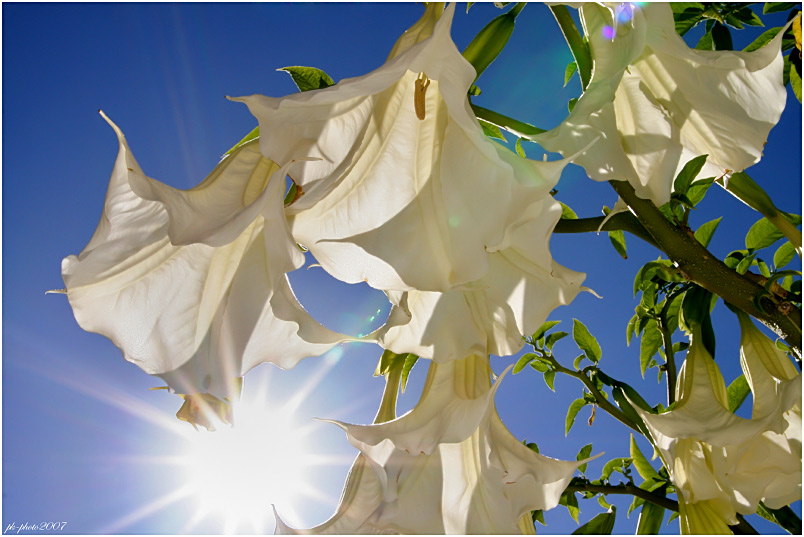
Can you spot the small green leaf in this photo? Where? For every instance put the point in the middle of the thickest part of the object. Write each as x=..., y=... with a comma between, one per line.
x=706, y=42
x=602, y=524
x=737, y=391
x=650, y=344
x=553, y=338
x=619, y=464
x=572, y=67
x=569, y=500
x=308, y=78
x=543, y=328
x=650, y=519
x=410, y=361
x=775, y=7
x=540, y=366
x=550, y=378
x=617, y=239
x=698, y=189
x=491, y=130
x=571, y=103
x=573, y=410
x=629, y=330
x=523, y=361
x=577, y=363
x=688, y=173
x=704, y=233
x=763, y=233
x=744, y=264
x=643, y=467
x=491, y=40
x=584, y=454
x=784, y=255
x=518, y=147
x=567, y=213
x=533, y=447
x=763, y=268
x=538, y=516
x=784, y=517
x=795, y=76
x=586, y=341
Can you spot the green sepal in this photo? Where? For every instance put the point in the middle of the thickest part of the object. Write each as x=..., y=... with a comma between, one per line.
x=308, y=78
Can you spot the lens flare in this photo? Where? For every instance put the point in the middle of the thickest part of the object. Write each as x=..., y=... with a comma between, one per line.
x=609, y=32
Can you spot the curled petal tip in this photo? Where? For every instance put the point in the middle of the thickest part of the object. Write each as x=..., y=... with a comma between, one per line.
x=590, y=290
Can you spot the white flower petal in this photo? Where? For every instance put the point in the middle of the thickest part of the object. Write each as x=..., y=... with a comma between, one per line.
x=659, y=103
x=387, y=175
x=194, y=314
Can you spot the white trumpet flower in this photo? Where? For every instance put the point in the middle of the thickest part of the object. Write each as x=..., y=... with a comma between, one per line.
x=405, y=172
x=447, y=466
x=656, y=103
x=722, y=464
x=191, y=285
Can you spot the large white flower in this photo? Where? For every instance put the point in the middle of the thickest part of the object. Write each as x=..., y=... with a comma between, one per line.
x=490, y=315
x=447, y=466
x=722, y=464
x=409, y=193
x=192, y=285
x=657, y=103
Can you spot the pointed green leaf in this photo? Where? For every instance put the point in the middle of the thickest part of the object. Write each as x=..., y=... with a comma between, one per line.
x=308, y=78
x=538, y=516
x=775, y=7
x=688, y=173
x=569, y=500
x=629, y=330
x=586, y=341
x=573, y=410
x=706, y=42
x=617, y=239
x=410, y=361
x=550, y=378
x=737, y=392
x=571, y=103
x=763, y=39
x=784, y=517
x=570, y=70
x=519, y=150
x=704, y=233
x=643, y=467
x=523, y=361
x=491, y=130
x=567, y=213
x=491, y=40
x=602, y=524
x=547, y=325
x=784, y=255
x=795, y=76
x=255, y=133
x=584, y=453
x=553, y=338
x=698, y=189
x=619, y=464
x=763, y=233
x=650, y=344
x=650, y=519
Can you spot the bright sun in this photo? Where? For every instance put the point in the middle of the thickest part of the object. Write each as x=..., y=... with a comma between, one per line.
x=237, y=473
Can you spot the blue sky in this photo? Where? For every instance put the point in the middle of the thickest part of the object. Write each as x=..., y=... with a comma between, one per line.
x=84, y=440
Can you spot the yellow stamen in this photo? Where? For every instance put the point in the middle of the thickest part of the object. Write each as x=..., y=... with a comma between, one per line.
x=422, y=82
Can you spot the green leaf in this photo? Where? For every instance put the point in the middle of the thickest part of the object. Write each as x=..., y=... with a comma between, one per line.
x=518, y=147
x=538, y=516
x=795, y=76
x=533, y=447
x=617, y=239
x=650, y=519
x=573, y=410
x=643, y=467
x=619, y=464
x=543, y=328
x=540, y=366
x=706, y=42
x=763, y=268
x=721, y=37
x=763, y=233
x=602, y=524
x=737, y=391
x=569, y=500
x=784, y=255
x=577, y=363
x=763, y=39
x=523, y=361
x=553, y=338
x=704, y=233
x=550, y=378
x=698, y=189
x=650, y=344
x=784, y=517
x=571, y=103
x=746, y=15
x=745, y=264
x=255, y=133
x=572, y=67
x=491, y=130
x=775, y=7
x=629, y=330
x=308, y=78
x=410, y=361
x=567, y=213
x=584, y=454
x=586, y=341
x=688, y=173
x=686, y=21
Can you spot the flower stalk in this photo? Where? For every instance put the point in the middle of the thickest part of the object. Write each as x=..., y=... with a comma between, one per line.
x=575, y=41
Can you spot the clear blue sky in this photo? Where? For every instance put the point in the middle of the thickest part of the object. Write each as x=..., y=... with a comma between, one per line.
x=84, y=441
